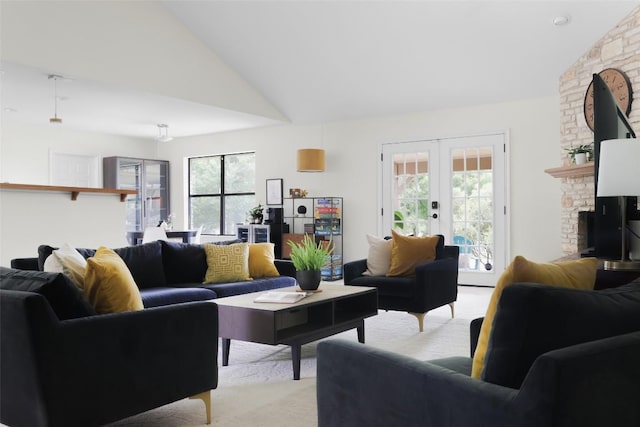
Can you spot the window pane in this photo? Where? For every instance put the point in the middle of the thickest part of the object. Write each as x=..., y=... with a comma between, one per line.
x=205, y=211
x=235, y=211
x=205, y=175
x=239, y=173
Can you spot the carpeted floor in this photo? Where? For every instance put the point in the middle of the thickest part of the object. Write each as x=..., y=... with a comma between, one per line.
x=257, y=389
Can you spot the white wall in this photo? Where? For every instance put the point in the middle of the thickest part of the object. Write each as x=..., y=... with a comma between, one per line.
x=352, y=164
x=31, y=218
x=353, y=148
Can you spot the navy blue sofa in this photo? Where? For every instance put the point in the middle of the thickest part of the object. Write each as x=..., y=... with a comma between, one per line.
x=169, y=272
x=61, y=364
x=557, y=357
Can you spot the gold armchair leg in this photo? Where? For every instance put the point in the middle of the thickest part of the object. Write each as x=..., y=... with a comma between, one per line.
x=420, y=317
x=452, y=312
x=206, y=398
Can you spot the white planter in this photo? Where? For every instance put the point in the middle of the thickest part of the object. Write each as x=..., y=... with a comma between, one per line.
x=580, y=158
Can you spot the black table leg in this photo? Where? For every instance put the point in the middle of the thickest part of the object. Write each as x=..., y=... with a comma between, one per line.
x=360, y=330
x=226, y=346
x=295, y=359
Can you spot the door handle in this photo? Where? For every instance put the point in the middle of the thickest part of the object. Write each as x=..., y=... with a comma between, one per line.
x=434, y=216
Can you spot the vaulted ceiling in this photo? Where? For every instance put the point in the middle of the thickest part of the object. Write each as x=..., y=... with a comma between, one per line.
x=213, y=66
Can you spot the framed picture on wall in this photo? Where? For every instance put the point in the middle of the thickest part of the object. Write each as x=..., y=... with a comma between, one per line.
x=274, y=191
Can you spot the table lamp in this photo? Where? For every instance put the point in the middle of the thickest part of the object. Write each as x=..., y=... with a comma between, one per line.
x=619, y=176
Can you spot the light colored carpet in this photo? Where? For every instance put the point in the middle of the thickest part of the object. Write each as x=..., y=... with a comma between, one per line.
x=257, y=389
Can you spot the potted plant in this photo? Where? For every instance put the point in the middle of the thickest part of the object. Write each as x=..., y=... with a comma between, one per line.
x=308, y=258
x=580, y=154
x=256, y=214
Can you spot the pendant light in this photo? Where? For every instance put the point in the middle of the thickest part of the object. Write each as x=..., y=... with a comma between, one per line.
x=55, y=118
x=163, y=133
x=312, y=159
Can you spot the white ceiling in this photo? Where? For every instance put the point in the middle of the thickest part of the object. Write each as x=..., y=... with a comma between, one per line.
x=323, y=61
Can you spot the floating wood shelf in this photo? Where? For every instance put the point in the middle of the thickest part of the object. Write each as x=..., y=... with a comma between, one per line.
x=75, y=191
x=572, y=171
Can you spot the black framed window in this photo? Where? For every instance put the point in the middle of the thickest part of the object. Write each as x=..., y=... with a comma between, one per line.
x=221, y=191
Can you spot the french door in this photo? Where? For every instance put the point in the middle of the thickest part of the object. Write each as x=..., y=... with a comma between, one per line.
x=455, y=187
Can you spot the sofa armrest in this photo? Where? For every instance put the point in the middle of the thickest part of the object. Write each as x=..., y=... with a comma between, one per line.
x=25, y=263
x=358, y=385
x=353, y=270
x=285, y=267
x=436, y=283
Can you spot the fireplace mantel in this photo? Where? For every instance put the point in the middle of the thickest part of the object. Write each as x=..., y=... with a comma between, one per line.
x=572, y=171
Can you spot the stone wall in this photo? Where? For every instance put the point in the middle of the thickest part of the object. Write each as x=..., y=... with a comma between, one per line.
x=619, y=48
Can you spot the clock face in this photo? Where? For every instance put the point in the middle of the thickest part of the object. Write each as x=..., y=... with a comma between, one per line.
x=620, y=87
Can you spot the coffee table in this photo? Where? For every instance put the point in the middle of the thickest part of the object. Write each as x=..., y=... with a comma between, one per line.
x=336, y=308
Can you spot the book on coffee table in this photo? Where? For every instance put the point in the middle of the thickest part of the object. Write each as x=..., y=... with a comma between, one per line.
x=282, y=297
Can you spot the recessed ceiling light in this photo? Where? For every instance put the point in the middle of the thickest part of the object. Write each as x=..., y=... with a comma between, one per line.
x=561, y=20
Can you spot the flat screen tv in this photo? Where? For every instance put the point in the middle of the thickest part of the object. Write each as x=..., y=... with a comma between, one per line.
x=609, y=122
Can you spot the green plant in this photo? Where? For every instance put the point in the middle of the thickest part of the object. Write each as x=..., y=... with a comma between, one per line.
x=309, y=255
x=582, y=148
x=256, y=212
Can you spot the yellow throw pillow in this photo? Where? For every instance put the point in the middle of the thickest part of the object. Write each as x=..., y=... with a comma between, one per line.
x=227, y=263
x=579, y=274
x=261, y=260
x=409, y=251
x=108, y=284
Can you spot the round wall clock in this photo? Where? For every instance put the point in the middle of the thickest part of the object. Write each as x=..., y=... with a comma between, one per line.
x=620, y=86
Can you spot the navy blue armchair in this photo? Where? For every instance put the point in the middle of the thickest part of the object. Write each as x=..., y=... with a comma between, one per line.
x=434, y=284
x=560, y=357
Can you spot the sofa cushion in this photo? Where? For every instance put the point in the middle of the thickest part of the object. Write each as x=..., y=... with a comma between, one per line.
x=533, y=319
x=155, y=297
x=403, y=287
x=228, y=263
x=109, y=285
x=579, y=274
x=409, y=251
x=238, y=288
x=145, y=263
x=183, y=262
x=379, y=256
x=261, y=260
x=65, y=298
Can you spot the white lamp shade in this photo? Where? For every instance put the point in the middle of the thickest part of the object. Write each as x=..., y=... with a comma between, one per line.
x=619, y=168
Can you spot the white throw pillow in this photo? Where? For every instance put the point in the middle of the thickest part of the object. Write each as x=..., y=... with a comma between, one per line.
x=67, y=260
x=379, y=258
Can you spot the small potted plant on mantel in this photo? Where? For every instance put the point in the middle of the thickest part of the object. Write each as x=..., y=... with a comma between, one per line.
x=308, y=258
x=580, y=154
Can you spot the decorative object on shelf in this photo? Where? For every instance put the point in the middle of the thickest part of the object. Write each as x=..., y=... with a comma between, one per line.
x=620, y=86
x=580, y=154
x=274, y=192
x=55, y=118
x=296, y=193
x=618, y=177
x=256, y=214
x=163, y=133
x=169, y=221
x=308, y=258
x=311, y=160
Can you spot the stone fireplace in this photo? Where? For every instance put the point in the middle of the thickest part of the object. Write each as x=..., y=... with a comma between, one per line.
x=619, y=48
